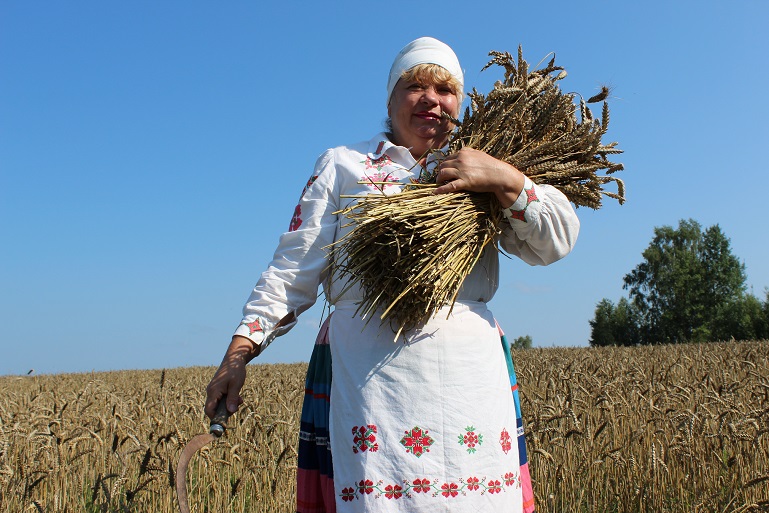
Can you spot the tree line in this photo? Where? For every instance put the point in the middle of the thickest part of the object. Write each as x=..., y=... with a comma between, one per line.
x=689, y=287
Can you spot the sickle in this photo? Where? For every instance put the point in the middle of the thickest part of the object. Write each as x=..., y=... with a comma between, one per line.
x=217, y=429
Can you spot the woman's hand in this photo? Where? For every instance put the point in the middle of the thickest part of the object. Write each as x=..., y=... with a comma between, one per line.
x=230, y=376
x=477, y=171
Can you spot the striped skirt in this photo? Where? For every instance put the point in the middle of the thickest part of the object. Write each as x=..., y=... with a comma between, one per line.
x=315, y=472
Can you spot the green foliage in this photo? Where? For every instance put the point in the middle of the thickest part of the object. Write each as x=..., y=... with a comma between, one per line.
x=615, y=325
x=523, y=342
x=764, y=326
x=689, y=288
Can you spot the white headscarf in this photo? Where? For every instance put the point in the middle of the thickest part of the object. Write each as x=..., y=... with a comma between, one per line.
x=425, y=50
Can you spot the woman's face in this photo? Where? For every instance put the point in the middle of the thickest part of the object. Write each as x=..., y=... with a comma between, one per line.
x=415, y=111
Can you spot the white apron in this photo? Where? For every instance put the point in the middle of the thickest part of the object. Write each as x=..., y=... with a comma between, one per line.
x=426, y=423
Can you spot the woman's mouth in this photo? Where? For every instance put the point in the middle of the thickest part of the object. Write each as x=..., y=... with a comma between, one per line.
x=428, y=115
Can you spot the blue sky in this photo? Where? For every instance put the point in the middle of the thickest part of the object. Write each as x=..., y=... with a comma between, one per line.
x=151, y=153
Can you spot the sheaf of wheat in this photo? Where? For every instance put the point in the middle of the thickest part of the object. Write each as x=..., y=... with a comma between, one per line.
x=429, y=243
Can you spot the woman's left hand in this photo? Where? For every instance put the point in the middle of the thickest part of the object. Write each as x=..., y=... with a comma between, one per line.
x=477, y=171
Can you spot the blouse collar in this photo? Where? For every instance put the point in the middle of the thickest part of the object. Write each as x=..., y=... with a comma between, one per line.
x=381, y=144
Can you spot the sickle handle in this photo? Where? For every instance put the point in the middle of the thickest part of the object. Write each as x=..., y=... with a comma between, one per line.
x=219, y=421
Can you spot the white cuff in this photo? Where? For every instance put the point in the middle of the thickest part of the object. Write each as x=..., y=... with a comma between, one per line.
x=251, y=329
x=523, y=209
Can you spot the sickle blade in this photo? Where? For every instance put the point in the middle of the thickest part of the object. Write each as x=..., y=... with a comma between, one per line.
x=217, y=429
x=181, y=471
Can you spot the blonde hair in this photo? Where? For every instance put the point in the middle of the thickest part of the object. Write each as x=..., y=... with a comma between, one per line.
x=433, y=74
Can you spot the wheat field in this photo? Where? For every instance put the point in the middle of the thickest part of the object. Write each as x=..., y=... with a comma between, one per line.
x=652, y=429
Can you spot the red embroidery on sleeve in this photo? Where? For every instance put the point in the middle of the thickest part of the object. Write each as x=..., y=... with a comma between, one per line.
x=296, y=221
x=253, y=327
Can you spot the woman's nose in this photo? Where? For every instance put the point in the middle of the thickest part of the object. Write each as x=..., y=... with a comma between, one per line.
x=430, y=95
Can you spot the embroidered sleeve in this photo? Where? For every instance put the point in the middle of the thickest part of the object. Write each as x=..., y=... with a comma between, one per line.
x=299, y=265
x=543, y=226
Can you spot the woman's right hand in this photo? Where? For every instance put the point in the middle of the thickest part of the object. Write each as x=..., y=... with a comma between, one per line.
x=230, y=376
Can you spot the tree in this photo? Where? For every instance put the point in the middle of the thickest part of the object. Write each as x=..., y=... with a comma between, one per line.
x=742, y=319
x=615, y=326
x=724, y=283
x=601, y=327
x=763, y=333
x=523, y=342
x=689, y=288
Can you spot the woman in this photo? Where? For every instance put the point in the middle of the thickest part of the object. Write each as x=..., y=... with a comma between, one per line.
x=427, y=423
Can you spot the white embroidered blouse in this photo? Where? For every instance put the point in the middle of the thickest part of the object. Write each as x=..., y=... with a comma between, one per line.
x=543, y=228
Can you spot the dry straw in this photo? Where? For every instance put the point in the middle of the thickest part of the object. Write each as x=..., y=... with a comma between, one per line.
x=411, y=251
